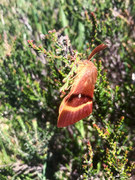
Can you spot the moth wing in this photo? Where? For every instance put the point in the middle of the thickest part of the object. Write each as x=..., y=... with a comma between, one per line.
x=96, y=50
x=73, y=109
x=84, y=82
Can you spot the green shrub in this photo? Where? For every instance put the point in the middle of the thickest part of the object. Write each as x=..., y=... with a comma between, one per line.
x=30, y=83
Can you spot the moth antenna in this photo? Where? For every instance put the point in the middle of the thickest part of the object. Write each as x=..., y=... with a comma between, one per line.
x=96, y=50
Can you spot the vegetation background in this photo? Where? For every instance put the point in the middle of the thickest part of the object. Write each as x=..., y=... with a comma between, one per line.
x=31, y=146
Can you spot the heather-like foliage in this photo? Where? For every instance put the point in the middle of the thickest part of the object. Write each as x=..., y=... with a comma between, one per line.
x=37, y=68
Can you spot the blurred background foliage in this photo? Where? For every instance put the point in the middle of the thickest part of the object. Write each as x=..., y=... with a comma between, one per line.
x=31, y=146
